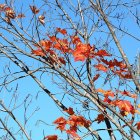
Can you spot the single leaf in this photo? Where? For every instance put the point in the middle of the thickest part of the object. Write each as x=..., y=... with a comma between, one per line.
x=101, y=67
x=100, y=118
x=138, y=125
x=34, y=9
x=102, y=53
x=20, y=15
x=51, y=137
x=70, y=111
x=106, y=92
x=96, y=77
x=41, y=19
x=62, y=31
x=62, y=60
x=38, y=52
x=61, y=123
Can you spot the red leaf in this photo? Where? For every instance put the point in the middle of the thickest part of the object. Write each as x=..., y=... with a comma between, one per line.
x=96, y=77
x=107, y=100
x=102, y=53
x=62, y=61
x=70, y=111
x=51, y=137
x=62, y=31
x=38, y=52
x=100, y=118
x=138, y=125
x=126, y=93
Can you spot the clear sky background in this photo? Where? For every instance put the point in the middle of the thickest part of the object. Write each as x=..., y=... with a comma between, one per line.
x=47, y=110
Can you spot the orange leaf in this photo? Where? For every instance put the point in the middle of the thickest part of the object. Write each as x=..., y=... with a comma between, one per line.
x=38, y=52
x=51, y=137
x=61, y=122
x=102, y=53
x=82, y=51
x=34, y=9
x=124, y=105
x=45, y=44
x=78, y=56
x=106, y=92
x=72, y=133
x=62, y=31
x=101, y=67
x=53, y=38
x=75, y=39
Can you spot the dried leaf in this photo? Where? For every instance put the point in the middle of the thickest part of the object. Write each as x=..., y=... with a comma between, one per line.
x=41, y=19
x=34, y=9
x=20, y=15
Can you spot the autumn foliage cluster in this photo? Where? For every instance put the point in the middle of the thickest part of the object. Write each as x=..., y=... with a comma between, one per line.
x=52, y=47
